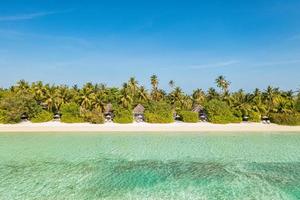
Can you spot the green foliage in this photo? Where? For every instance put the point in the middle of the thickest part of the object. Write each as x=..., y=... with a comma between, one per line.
x=189, y=116
x=94, y=117
x=71, y=113
x=123, y=116
x=13, y=105
x=91, y=99
x=285, y=119
x=161, y=118
x=219, y=112
x=158, y=112
x=43, y=116
x=254, y=116
x=297, y=104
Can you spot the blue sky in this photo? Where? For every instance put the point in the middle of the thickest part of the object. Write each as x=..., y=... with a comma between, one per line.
x=253, y=43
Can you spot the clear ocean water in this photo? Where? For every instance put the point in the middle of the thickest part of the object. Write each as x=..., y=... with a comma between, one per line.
x=149, y=166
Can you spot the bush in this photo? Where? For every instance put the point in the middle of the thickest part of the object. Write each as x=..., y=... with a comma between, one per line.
x=159, y=112
x=123, y=116
x=12, y=106
x=285, y=119
x=42, y=116
x=71, y=113
x=297, y=105
x=254, y=117
x=189, y=116
x=94, y=117
x=159, y=117
x=219, y=112
x=2, y=116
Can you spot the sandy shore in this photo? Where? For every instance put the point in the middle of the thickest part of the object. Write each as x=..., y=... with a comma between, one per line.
x=145, y=127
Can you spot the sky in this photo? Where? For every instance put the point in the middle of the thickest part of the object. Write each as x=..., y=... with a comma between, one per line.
x=252, y=43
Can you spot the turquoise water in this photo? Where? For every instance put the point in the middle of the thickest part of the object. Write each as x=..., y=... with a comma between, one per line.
x=149, y=166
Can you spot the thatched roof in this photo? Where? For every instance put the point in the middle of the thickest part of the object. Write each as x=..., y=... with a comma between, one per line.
x=197, y=108
x=139, y=109
x=108, y=108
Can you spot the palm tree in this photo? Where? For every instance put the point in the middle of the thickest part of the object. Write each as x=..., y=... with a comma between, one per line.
x=212, y=94
x=125, y=96
x=270, y=96
x=98, y=102
x=62, y=96
x=198, y=97
x=257, y=102
x=155, y=94
x=154, y=81
x=22, y=86
x=143, y=95
x=39, y=91
x=171, y=84
x=223, y=84
x=49, y=99
x=85, y=96
x=176, y=97
x=133, y=86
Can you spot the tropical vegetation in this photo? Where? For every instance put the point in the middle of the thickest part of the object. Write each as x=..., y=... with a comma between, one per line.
x=39, y=102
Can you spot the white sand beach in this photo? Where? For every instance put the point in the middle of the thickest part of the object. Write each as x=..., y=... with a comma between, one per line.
x=145, y=127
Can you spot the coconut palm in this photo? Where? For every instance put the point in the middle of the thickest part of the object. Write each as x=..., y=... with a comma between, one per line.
x=85, y=96
x=156, y=94
x=126, y=99
x=270, y=96
x=223, y=84
x=38, y=89
x=143, y=95
x=171, y=84
x=62, y=96
x=49, y=100
x=22, y=87
x=154, y=81
x=198, y=96
x=212, y=94
x=133, y=86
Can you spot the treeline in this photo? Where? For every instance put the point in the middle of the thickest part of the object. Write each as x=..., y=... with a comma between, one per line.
x=39, y=102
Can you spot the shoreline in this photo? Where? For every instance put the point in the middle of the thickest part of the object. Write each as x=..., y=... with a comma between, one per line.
x=145, y=127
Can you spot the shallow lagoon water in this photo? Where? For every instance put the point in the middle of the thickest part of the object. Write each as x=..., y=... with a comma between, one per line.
x=150, y=166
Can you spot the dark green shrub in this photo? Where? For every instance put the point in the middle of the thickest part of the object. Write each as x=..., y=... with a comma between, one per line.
x=12, y=106
x=219, y=112
x=158, y=112
x=123, y=116
x=285, y=118
x=297, y=104
x=94, y=117
x=254, y=116
x=71, y=113
x=2, y=116
x=166, y=117
x=188, y=116
x=43, y=116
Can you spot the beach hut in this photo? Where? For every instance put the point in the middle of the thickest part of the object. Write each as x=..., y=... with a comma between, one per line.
x=265, y=120
x=108, y=112
x=24, y=117
x=138, y=113
x=176, y=116
x=245, y=118
x=201, y=113
x=56, y=117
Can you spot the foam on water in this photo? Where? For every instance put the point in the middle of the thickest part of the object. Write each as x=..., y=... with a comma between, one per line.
x=203, y=166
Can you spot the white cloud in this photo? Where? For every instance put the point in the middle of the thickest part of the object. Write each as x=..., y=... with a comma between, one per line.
x=213, y=65
x=29, y=16
x=280, y=62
